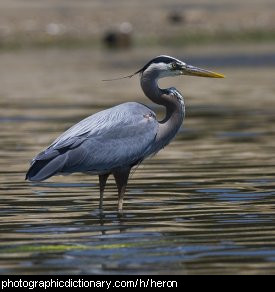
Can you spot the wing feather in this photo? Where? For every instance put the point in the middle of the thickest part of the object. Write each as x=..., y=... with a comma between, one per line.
x=116, y=137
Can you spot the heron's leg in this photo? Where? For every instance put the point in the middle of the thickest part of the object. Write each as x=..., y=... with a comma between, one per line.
x=102, y=183
x=121, y=178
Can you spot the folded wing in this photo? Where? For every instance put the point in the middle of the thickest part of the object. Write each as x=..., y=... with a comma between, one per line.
x=118, y=137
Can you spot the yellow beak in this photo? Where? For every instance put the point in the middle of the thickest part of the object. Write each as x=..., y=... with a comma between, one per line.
x=195, y=71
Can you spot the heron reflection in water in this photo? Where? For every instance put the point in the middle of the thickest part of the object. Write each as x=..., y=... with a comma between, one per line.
x=114, y=140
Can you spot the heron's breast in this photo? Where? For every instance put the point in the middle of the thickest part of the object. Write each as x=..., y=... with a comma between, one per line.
x=149, y=117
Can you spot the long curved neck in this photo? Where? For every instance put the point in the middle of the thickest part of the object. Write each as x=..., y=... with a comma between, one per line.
x=171, y=100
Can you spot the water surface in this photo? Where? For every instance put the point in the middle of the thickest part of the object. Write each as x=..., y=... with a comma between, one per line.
x=205, y=204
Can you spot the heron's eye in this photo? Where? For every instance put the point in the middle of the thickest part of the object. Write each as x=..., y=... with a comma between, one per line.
x=174, y=66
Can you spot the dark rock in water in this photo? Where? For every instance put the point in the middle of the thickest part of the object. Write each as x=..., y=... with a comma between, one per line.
x=120, y=38
x=175, y=17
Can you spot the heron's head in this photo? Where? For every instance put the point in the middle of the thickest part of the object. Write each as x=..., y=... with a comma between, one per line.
x=164, y=66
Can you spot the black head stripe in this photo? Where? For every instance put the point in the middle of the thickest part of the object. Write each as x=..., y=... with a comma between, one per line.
x=159, y=59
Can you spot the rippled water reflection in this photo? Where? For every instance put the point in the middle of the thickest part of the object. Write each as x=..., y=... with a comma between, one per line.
x=204, y=205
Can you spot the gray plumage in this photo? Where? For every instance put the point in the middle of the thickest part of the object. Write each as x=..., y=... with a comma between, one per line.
x=113, y=138
x=116, y=139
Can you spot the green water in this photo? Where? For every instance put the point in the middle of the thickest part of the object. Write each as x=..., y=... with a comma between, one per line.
x=205, y=204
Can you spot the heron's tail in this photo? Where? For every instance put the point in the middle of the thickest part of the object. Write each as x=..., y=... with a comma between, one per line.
x=43, y=169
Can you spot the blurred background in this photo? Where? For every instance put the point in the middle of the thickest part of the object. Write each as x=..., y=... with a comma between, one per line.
x=56, y=48
x=203, y=205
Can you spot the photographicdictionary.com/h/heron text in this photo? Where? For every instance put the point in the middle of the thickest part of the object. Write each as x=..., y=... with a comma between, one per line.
x=85, y=283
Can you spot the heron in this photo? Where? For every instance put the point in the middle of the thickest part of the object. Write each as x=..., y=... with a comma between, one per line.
x=115, y=140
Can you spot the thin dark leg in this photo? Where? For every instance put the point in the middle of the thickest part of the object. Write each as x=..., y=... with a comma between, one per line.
x=121, y=178
x=102, y=183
